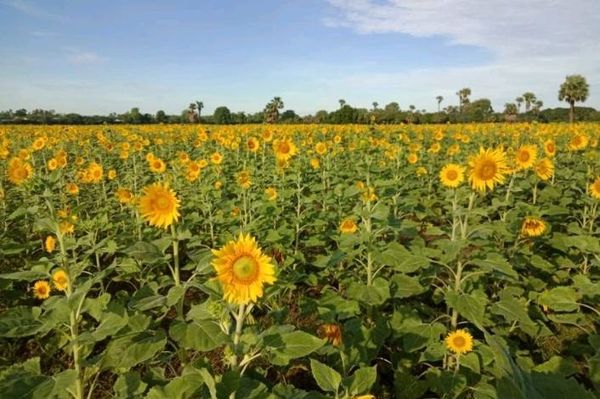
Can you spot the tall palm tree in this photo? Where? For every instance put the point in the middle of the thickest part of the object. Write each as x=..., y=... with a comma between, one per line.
x=439, y=100
x=510, y=112
x=463, y=97
x=574, y=89
x=200, y=106
x=529, y=99
x=537, y=106
x=519, y=101
x=272, y=109
x=192, y=112
x=342, y=102
x=375, y=105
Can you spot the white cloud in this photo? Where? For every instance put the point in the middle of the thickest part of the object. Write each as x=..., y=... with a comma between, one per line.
x=85, y=57
x=534, y=43
x=31, y=9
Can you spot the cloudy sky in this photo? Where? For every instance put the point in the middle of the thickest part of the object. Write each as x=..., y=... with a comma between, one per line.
x=108, y=56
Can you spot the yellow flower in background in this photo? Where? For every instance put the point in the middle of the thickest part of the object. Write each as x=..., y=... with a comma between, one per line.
x=50, y=244
x=348, y=226
x=271, y=193
x=544, y=169
x=488, y=168
x=243, y=270
x=218, y=184
x=526, y=156
x=284, y=149
x=41, y=289
x=452, y=175
x=159, y=205
x=315, y=163
x=157, y=165
x=65, y=227
x=216, y=158
x=252, y=144
x=421, y=171
x=39, y=143
x=550, y=148
x=594, y=188
x=60, y=279
x=124, y=196
x=412, y=158
x=52, y=164
x=72, y=188
x=533, y=227
x=321, y=148
x=244, y=179
x=459, y=342
x=369, y=195
x=19, y=171
x=112, y=174
x=578, y=142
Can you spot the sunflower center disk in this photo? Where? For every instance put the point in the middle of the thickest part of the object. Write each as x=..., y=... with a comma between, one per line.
x=488, y=170
x=162, y=203
x=459, y=342
x=452, y=175
x=245, y=269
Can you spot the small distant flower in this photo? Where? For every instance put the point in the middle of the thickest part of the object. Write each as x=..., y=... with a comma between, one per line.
x=348, y=226
x=61, y=280
x=50, y=244
x=41, y=289
x=594, y=188
x=271, y=193
x=533, y=227
x=452, y=175
x=332, y=332
x=459, y=342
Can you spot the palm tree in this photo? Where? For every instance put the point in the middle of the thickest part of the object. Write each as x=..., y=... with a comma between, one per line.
x=191, y=112
x=439, y=100
x=510, y=112
x=342, y=102
x=529, y=99
x=200, y=106
x=574, y=89
x=537, y=106
x=272, y=109
x=463, y=97
x=519, y=101
x=375, y=105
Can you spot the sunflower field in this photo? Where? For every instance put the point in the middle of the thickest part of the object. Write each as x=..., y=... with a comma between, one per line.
x=300, y=261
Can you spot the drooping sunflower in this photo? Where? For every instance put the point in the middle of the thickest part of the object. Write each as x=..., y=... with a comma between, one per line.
x=72, y=188
x=243, y=270
x=348, y=226
x=544, y=168
x=284, y=149
x=488, y=168
x=65, y=227
x=526, y=156
x=271, y=193
x=50, y=244
x=452, y=175
x=459, y=342
x=124, y=196
x=60, y=279
x=533, y=227
x=159, y=205
x=332, y=332
x=594, y=188
x=41, y=289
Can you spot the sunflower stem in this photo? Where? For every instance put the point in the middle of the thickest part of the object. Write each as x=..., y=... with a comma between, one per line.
x=239, y=325
x=175, y=256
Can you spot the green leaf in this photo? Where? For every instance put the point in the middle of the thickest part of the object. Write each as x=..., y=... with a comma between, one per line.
x=129, y=385
x=468, y=306
x=513, y=310
x=21, y=321
x=374, y=295
x=327, y=378
x=202, y=335
x=175, y=294
x=130, y=350
x=361, y=381
x=560, y=299
x=496, y=262
x=145, y=252
x=287, y=346
x=406, y=286
x=401, y=259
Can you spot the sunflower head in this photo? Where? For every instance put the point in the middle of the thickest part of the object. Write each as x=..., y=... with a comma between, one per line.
x=41, y=289
x=271, y=193
x=50, y=244
x=544, y=169
x=332, y=332
x=243, y=270
x=525, y=156
x=533, y=227
x=488, y=168
x=459, y=342
x=60, y=278
x=594, y=188
x=159, y=205
x=452, y=175
x=348, y=226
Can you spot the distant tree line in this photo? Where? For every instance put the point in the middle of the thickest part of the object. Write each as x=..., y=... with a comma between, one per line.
x=574, y=89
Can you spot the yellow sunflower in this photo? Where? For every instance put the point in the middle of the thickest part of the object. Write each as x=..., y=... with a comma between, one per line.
x=321, y=148
x=550, y=148
x=271, y=193
x=50, y=244
x=488, y=168
x=412, y=158
x=60, y=278
x=243, y=269
x=157, y=165
x=284, y=149
x=41, y=289
x=594, y=188
x=244, y=179
x=124, y=196
x=526, y=156
x=315, y=164
x=452, y=175
x=252, y=144
x=533, y=227
x=72, y=188
x=348, y=226
x=459, y=342
x=159, y=205
x=332, y=332
x=19, y=171
x=216, y=158
x=544, y=168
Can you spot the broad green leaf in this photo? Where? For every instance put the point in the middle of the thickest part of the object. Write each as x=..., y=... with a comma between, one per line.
x=287, y=346
x=327, y=378
x=202, y=335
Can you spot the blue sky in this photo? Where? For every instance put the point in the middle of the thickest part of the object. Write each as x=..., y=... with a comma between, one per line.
x=108, y=56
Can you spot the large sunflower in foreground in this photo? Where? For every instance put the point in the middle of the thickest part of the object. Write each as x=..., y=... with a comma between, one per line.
x=488, y=168
x=159, y=205
x=459, y=342
x=594, y=188
x=243, y=269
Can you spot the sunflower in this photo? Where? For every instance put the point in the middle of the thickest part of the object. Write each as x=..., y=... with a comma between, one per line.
x=124, y=196
x=284, y=149
x=271, y=193
x=60, y=278
x=50, y=244
x=533, y=227
x=452, y=175
x=550, y=148
x=243, y=269
x=412, y=158
x=487, y=169
x=544, y=168
x=39, y=143
x=218, y=184
x=159, y=204
x=459, y=342
x=332, y=332
x=252, y=144
x=421, y=171
x=348, y=226
x=157, y=165
x=112, y=174
x=72, y=188
x=321, y=148
x=594, y=188
x=19, y=171
x=41, y=289
x=244, y=179
x=216, y=158
x=52, y=164
x=526, y=156
x=578, y=142
x=315, y=164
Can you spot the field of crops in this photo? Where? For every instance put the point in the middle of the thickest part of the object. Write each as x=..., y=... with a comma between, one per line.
x=300, y=261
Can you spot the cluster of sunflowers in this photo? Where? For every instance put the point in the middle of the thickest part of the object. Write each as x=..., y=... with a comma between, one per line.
x=344, y=261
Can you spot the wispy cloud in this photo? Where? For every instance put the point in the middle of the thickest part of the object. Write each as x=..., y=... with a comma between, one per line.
x=534, y=43
x=78, y=57
x=31, y=9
